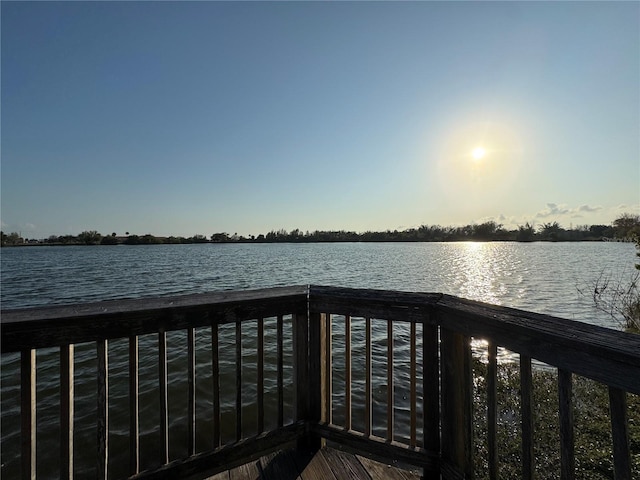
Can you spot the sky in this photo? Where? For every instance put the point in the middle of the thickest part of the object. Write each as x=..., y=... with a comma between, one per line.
x=184, y=118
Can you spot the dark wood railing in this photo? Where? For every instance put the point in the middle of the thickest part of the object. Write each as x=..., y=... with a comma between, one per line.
x=435, y=329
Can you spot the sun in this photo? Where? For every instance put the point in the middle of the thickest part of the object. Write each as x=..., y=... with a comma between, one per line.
x=478, y=153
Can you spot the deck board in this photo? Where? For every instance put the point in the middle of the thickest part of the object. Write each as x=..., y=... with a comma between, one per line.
x=315, y=467
x=325, y=464
x=381, y=471
x=248, y=471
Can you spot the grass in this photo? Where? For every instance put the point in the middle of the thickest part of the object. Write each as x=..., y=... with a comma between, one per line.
x=593, y=444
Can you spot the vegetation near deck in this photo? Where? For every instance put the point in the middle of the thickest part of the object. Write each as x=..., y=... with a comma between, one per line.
x=407, y=377
x=592, y=425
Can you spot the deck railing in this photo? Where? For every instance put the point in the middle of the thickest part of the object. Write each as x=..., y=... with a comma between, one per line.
x=379, y=372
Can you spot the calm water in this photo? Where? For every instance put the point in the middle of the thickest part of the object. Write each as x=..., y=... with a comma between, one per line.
x=542, y=277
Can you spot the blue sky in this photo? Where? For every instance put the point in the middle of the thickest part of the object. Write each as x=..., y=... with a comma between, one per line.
x=193, y=118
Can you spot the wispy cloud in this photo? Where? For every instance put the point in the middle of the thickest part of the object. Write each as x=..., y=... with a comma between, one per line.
x=553, y=209
x=587, y=208
x=559, y=210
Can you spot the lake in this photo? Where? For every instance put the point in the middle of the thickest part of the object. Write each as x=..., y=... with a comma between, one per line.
x=541, y=277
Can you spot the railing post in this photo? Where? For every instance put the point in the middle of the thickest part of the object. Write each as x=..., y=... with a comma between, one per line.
x=456, y=400
x=317, y=373
x=620, y=434
x=567, y=455
x=301, y=369
x=431, y=397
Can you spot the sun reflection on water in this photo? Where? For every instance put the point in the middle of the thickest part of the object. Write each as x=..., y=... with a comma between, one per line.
x=485, y=273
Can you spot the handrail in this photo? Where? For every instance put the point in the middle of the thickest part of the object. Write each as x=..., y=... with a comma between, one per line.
x=42, y=327
x=438, y=327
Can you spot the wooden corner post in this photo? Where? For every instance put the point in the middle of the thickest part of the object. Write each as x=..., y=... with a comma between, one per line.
x=300, y=327
x=456, y=404
x=317, y=373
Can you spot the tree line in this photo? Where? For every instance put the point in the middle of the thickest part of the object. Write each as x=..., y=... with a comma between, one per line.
x=625, y=227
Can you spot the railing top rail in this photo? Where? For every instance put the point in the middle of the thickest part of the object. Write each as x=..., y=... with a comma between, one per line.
x=477, y=318
x=136, y=305
x=505, y=324
x=387, y=304
x=41, y=327
x=607, y=355
x=603, y=354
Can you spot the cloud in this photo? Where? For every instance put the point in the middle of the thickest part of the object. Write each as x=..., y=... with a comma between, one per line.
x=626, y=208
x=587, y=208
x=553, y=209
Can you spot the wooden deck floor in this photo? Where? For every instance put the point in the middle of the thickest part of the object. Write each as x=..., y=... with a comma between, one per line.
x=326, y=464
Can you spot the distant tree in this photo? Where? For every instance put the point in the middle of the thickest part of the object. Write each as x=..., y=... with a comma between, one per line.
x=627, y=225
x=176, y=240
x=12, y=239
x=132, y=240
x=600, y=231
x=109, y=240
x=485, y=231
x=198, y=239
x=551, y=231
x=526, y=233
x=149, y=239
x=91, y=237
x=220, y=237
x=68, y=239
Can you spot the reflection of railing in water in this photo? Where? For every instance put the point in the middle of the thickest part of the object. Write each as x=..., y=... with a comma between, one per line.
x=361, y=359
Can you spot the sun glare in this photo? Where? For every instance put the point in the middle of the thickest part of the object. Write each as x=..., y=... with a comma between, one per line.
x=478, y=153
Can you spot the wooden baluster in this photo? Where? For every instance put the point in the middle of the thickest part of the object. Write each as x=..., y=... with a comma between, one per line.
x=164, y=411
x=526, y=408
x=238, y=381
x=367, y=382
x=347, y=372
x=412, y=385
x=102, y=423
x=301, y=373
x=390, y=405
x=280, y=366
x=620, y=434
x=66, y=411
x=430, y=388
x=215, y=372
x=191, y=376
x=567, y=455
x=260, y=387
x=28, y=413
x=328, y=391
x=134, y=410
x=492, y=410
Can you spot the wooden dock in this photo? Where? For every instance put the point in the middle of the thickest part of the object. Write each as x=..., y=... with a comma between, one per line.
x=437, y=382
x=325, y=464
